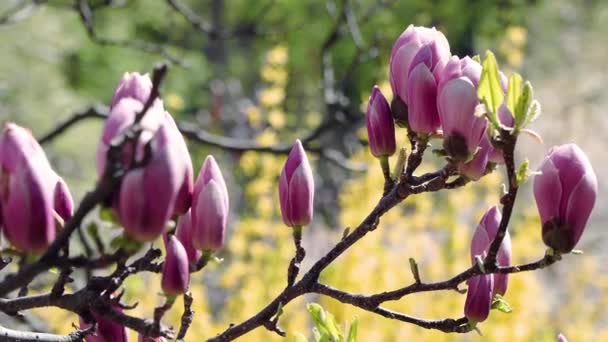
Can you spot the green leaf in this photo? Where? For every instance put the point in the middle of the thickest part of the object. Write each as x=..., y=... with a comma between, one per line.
x=500, y=304
x=522, y=172
x=476, y=58
x=121, y=241
x=318, y=317
x=514, y=90
x=108, y=215
x=521, y=107
x=489, y=89
x=352, y=332
x=533, y=112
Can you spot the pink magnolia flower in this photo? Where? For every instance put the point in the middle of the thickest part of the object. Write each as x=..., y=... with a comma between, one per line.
x=176, y=272
x=210, y=207
x=565, y=194
x=296, y=188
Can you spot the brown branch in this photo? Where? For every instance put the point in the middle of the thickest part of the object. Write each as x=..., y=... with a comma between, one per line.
x=27, y=336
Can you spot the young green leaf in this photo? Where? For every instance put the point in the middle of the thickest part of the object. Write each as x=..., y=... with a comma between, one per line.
x=514, y=90
x=522, y=172
x=352, y=331
x=500, y=304
x=489, y=90
x=521, y=108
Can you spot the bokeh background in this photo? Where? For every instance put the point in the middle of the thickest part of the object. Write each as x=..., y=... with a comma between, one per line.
x=269, y=71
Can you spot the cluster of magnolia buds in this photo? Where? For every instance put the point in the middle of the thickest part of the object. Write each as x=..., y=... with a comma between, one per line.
x=437, y=95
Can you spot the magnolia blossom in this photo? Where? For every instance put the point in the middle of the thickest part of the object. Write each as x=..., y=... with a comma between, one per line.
x=296, y=188
x=210, y=207
x=565, y=193
x=32, y=195
x=380, y=125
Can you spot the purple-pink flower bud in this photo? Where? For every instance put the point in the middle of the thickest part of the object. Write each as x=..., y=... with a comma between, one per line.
x=184, y=235
x=421, y=93
x=565, y=194
x=479, y=297
x=63, y=202
x=456, y=103
x=210, y=207
x=561, y=338
x=484, y=235
x=176, y=271
x=184, y=197
x=133, y=85
x=30, y=191
x=147, y=194
x=380, y=125
x=406, y=48
x=296, y=188
x=107, y=330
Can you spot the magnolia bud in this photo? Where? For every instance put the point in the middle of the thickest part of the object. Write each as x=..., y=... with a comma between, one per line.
x=184, y=235
x=64, y=204
x=29, y=191
x=209, y=207
x=107, y=330
x=184, y=197
x=404, y=51
x=565, y=194
x=479, y=298
x=176, y=272
x=133, y=85
x=484, y=235
x=561, y=338
x=148, y=193
x=380, y=125
x=296, y=188
x=422, y=93
x=462, y=130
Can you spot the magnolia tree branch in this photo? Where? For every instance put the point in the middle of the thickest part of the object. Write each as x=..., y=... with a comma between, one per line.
x=23, y=336
x=408, y=185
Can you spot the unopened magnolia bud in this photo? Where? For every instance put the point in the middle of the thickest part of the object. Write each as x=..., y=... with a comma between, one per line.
x=296, y=188
x=565, y=194
x=107, y=330
x=484, y=235
x=148, y=193
x=30, y=191
x=184, y=235
x=456, y=103
x=406, y=48
x=210, y=207
x=561, y=338
x=479, y=298
x=133, y=85
x=176, y=272
x=380, y=125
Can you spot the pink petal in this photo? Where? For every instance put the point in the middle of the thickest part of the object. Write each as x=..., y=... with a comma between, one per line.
x=422, y=95
x=547, y=191
x=580, y=204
